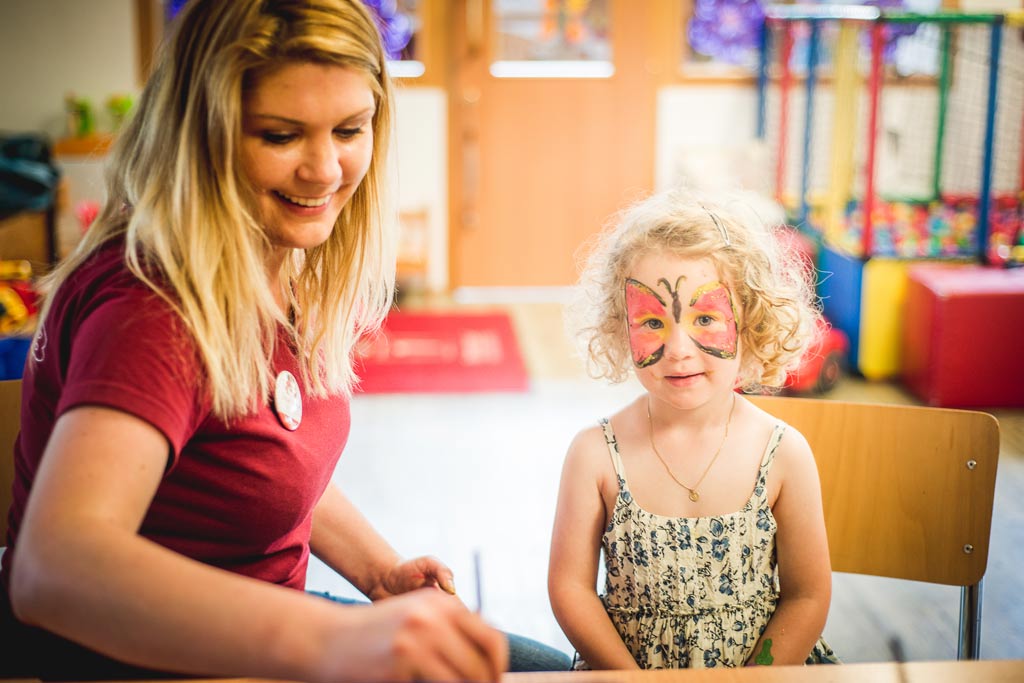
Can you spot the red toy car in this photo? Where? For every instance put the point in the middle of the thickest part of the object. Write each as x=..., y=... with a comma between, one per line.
x=822, y=365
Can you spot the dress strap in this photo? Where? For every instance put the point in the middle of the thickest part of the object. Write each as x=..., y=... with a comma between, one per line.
x=773, y=445
x=760, y=494
x=613, y=448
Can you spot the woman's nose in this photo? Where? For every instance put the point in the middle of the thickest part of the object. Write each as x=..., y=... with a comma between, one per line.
x=320, y=164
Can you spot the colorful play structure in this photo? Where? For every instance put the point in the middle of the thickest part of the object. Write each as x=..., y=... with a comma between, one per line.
x=897, y=142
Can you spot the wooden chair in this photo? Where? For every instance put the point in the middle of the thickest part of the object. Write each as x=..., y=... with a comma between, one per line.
x=907, y=492
x=10, y=417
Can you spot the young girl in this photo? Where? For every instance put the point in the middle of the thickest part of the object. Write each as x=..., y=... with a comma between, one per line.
x=708, y=509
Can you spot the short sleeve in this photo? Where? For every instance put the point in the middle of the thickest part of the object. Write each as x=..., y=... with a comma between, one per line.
x=132, y=352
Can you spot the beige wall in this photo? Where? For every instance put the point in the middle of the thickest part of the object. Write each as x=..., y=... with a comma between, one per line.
x=49, y=48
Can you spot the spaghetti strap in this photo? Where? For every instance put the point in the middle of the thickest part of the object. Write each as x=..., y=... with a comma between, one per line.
x=613, y=450
x=773, y=445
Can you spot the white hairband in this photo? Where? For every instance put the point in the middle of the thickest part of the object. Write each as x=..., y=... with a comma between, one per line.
x=718, y=224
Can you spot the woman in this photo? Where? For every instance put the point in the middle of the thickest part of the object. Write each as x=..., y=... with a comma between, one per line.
x=187, y=397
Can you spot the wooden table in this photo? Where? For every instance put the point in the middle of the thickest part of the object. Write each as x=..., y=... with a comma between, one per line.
x=983, y=671
x=995, y=670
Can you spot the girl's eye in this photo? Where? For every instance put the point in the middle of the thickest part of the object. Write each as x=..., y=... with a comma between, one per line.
x=653, y=323
x=278, y=138
x=705, y=320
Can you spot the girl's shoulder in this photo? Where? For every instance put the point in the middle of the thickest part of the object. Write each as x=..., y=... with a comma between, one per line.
x=590, y=451
x=792, y=449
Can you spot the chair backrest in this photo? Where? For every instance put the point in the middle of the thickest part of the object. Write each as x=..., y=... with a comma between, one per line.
x=907, y=491
x=902, y=498
x=10, y=418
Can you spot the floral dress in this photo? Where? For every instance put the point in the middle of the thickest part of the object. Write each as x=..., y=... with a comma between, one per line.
x=692, y=591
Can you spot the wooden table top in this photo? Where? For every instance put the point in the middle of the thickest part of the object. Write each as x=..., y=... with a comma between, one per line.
x=982, y=671
x=995, y=670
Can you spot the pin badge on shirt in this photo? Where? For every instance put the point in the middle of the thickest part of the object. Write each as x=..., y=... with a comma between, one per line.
x=287, y=400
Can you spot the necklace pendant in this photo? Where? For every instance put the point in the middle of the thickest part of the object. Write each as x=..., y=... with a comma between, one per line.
x=694, y=496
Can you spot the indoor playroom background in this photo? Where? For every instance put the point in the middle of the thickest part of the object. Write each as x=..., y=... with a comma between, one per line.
x=891, y=145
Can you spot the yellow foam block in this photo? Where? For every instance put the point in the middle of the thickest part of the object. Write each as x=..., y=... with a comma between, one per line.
x=883, y=293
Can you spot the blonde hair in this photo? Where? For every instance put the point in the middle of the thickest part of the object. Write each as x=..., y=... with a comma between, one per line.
x=177, y=194
x=772, y=285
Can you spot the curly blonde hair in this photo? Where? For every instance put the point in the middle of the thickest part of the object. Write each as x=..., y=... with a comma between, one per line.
x=772, y=283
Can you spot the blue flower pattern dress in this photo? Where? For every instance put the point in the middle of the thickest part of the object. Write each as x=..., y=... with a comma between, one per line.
x=692, y=592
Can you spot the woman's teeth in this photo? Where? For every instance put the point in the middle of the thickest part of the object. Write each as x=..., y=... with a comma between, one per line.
x=304, y=201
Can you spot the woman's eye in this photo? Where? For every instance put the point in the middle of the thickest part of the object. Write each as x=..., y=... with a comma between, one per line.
x=653, y=323
x=348, y=133
x=278, y=138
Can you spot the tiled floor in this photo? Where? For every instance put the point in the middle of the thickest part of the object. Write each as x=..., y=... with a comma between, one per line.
x=452, y=475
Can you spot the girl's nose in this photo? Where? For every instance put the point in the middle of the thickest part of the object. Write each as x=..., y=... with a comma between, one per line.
x=679, y=345
x=321, y=164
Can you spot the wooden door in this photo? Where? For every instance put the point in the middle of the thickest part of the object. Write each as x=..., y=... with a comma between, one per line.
x=539, y=163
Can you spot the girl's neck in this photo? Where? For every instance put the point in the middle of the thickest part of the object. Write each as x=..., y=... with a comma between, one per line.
x=710, y=415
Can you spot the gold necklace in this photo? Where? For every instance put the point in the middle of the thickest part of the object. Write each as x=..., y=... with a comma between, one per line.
x=694, y=495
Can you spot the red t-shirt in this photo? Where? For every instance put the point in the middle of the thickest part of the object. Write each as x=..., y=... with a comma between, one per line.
x=238, y=496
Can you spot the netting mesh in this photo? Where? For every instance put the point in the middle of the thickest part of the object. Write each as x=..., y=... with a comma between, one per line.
x=929, y=149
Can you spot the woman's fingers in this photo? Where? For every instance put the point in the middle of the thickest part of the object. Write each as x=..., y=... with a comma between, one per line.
x=420, y=572
x=433, y=637
x=458, y=645
x=431, y=567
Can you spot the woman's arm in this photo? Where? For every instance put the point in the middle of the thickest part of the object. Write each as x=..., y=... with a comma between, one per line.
x=344, y=539
x=805, y=573
x=575, y=554
x=82, y=571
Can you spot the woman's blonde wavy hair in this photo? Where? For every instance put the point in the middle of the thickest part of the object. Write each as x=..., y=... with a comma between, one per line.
x=772, y=285
x=177, y=194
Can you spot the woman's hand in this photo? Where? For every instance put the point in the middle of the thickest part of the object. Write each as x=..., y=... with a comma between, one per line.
x=420, y=572
x=422, y=635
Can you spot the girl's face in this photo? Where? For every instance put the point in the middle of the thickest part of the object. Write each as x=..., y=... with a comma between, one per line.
x=307, y=140
x=683, y=329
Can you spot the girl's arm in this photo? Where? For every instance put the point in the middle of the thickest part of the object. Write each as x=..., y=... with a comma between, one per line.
x=344, y=539
x=805, y=573
x=575, y=553
x=82, y=571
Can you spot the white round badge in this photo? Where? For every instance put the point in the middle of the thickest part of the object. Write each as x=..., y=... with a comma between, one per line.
x=287, y=400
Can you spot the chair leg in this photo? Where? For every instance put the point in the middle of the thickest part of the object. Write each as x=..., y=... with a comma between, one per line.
x=969, y=644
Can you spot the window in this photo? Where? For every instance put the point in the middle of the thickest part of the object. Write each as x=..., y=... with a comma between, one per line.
x=552, y=39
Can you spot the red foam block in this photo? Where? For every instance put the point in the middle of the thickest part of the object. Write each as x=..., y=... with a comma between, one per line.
x=963, y=341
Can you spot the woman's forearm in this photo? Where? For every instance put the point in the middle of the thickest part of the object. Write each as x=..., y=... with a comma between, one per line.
x=137, y=602
x=346, y=542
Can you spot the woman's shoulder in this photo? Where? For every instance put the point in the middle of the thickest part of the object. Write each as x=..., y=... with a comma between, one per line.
x=104, y=276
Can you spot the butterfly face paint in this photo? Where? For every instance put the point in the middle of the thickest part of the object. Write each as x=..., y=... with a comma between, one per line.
x=649, y=323
x=709, y=319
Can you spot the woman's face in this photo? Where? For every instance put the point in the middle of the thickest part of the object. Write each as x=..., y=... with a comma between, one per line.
x=307, y=140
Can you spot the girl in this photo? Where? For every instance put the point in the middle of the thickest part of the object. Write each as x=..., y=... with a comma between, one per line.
x=708, y=510
x=187, y=395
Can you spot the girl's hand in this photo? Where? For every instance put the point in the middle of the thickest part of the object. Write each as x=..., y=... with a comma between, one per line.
x=422, y=635
x=421, y=572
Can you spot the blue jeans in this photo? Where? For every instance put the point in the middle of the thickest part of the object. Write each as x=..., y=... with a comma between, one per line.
x=524, y=654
